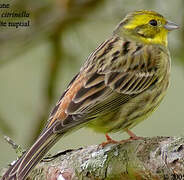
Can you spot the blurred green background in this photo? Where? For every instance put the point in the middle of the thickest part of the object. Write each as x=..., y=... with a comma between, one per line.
x=37, y=63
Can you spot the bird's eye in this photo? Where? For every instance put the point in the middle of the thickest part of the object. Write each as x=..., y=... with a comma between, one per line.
x=153, y=22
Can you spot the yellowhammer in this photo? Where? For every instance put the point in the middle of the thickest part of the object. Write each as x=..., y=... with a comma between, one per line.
x=121, y=83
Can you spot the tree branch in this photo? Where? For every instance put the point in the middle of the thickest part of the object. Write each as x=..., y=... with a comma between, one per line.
x=148, y=158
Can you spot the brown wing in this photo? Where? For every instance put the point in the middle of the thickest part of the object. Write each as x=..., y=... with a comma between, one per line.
x=125, y=70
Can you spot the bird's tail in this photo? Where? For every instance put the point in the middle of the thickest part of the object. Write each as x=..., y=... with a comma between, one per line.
x=28, y=161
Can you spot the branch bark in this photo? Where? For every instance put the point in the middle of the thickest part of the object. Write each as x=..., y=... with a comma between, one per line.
x=149, y=158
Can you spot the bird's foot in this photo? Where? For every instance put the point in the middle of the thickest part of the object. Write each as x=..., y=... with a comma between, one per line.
x=132, y=135
x=109, y=141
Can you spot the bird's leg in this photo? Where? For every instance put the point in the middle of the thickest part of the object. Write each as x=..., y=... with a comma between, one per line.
x=109, y=141
x=132, y=135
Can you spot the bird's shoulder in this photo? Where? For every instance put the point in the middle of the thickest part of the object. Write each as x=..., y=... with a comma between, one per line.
x=119, y=54
x=124, y=64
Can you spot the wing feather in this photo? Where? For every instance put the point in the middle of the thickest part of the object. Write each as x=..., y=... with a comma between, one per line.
x=108, y=85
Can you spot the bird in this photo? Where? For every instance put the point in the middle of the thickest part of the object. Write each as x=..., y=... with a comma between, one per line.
x=121, y=83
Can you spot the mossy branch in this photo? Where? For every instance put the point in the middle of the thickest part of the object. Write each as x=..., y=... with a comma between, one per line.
x=149, y=158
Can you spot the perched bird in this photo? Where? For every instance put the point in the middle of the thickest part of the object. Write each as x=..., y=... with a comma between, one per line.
x=121, y=83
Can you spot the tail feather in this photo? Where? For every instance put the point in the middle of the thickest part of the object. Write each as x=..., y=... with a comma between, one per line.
x=28, y=161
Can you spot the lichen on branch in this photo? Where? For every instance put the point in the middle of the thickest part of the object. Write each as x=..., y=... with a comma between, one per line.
x=147, y=158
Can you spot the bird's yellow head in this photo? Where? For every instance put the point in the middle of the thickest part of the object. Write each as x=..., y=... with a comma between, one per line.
x=145, y=26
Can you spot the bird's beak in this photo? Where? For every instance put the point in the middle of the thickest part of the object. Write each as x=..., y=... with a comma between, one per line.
x=171, y=26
